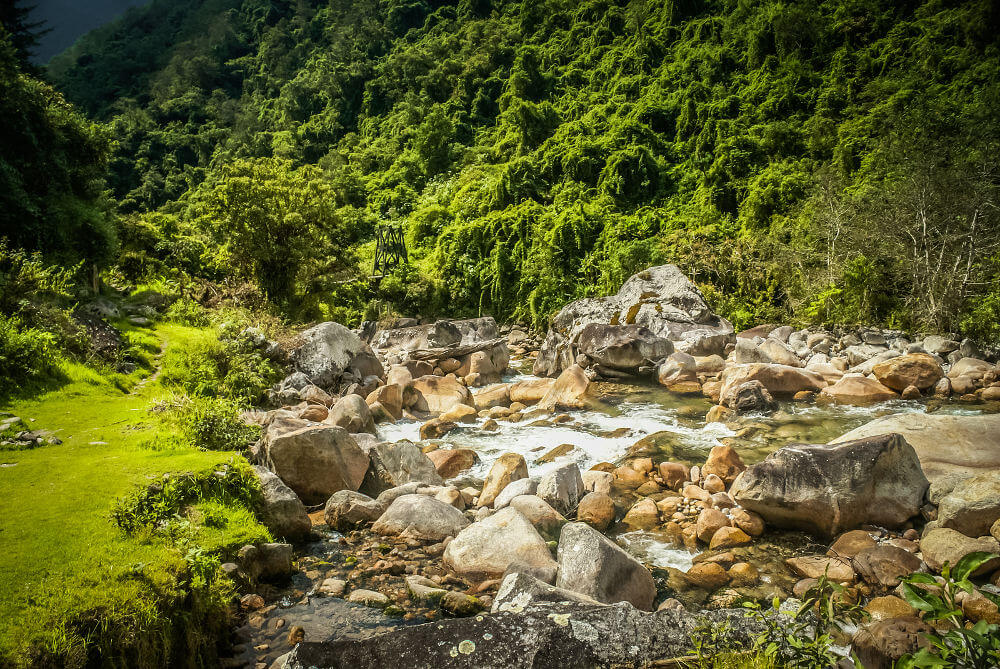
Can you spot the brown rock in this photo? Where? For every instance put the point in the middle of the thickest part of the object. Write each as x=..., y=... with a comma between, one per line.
x=673, y=474
x=709, y=522
x=851, y=543
x=558, y=451
x=439, y=393
x=389, y=396
x=802, y=587
x=317, y=413
x=508, y=467
x=856, y=389
x=910, y=393
x=707, y=575
x=943, y=544
x=436, y=428
x=743, y=573
x=569, y=390
x=724, y=462
x=748, y=521
x=696, y=492
x=728, y=537
x=597, y=509
x=718, y=413
x=713, y=484
x=814, y=566
x=976, y=607
x=643, y=515
x=530, y=392
x=918, y=370
x=450, y=462
x=628, y=478
x=890, y=606
x=885, y=565
x=879, y=645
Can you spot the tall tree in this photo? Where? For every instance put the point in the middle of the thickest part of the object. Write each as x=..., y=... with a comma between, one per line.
x=15, y=17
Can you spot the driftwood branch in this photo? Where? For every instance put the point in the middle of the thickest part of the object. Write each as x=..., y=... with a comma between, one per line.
x=455, y=351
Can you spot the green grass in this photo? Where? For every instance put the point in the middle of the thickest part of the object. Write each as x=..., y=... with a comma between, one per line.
x=70, y=580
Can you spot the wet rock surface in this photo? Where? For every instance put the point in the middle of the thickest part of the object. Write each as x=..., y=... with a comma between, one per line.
x=544, y=635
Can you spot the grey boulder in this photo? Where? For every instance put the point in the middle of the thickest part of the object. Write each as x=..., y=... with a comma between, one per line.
x=485, y=549
x=420, y=517
x=593, y=565
x=281, y=511
x=827, y=489
x=562, y=488
x=327, y=351
x=396, y=464
x=317, y=461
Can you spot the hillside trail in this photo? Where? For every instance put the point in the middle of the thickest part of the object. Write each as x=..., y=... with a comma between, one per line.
x=157, y=367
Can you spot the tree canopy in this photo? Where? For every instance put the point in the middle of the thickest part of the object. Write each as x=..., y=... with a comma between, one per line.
x=828, y=161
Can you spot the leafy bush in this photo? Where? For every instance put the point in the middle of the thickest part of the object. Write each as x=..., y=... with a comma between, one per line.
x=234, y=484
x=214, y=424
x=26, y=354
x=974, y=647
x=187, y=312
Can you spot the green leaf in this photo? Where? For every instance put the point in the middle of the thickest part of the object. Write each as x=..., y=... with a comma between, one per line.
x=921, y=599
x=970, y=563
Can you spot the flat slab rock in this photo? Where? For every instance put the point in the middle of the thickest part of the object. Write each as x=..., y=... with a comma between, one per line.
x=546, y=635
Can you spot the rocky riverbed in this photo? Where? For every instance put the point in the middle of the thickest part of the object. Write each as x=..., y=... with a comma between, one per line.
x=640, y=452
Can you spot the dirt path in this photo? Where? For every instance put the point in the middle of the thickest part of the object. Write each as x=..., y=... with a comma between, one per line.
x=157, y=368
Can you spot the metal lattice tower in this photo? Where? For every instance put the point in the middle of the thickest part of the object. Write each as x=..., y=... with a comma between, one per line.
x=390, y=251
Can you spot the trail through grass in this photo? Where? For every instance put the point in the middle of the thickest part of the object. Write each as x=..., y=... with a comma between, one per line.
x=65, y=569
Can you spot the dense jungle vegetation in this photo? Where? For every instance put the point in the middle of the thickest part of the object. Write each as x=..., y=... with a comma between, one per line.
x=827, y=162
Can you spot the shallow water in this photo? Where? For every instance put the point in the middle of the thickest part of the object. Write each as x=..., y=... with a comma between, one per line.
x=627, y=413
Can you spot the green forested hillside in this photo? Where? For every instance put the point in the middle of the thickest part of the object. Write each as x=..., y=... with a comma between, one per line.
x=831, y=161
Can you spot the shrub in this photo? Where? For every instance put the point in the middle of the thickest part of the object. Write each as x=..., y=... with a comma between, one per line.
x=187, y=312
x=26, y=354
x=214, y=424
x=220, y=367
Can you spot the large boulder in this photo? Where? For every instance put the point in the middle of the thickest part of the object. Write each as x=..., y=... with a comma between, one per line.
x=945, y=445
x=439, y=393
x=562, y=488
x=518, y=590
x=570, y=390
x=421, y=517
x=592, y=564
x=352, y=413
x=450, y=462
x=660, y=299
x=780, y=380
x=944, y=545
x=748, y=397
x=540, y=514
x=327, y=351
x=972, y=506
x=347, y=509
x=530, y=633
x=440, y=334
x=487, y=365
x=390, y=396
x=394, y=464
x=881, y=644
x=317, y=461
x=967, y=374
x=913, y=369
x=508, y=467
x=485, y=549
x=826, y=489
x=857, y=389
x=621, y=347
x=530, y=391
x=281, y=511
